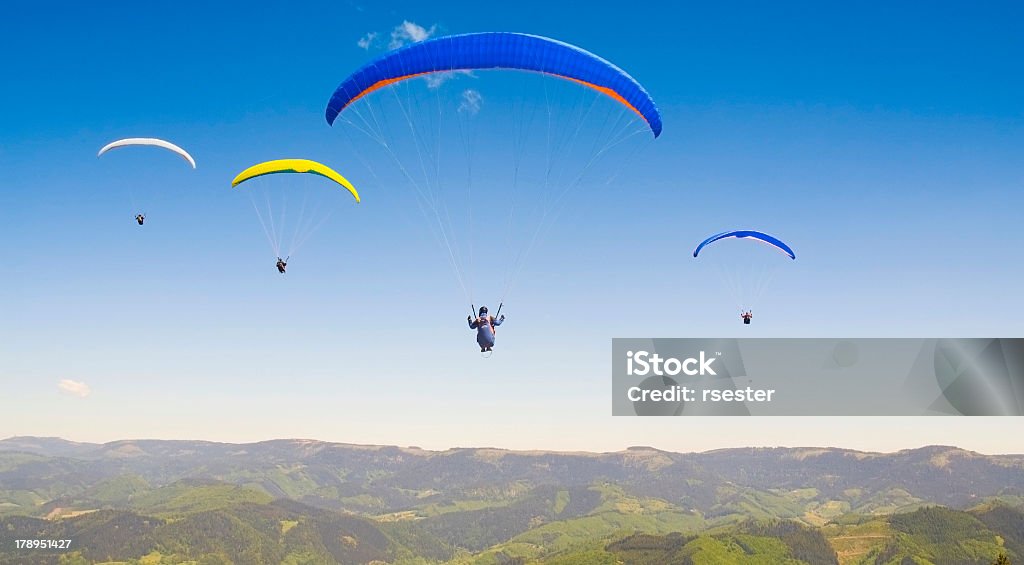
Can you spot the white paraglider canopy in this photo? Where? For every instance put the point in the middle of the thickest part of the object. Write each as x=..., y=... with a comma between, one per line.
x=152, y=141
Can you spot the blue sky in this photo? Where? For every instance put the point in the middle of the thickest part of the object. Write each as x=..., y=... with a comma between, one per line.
x=883, y=142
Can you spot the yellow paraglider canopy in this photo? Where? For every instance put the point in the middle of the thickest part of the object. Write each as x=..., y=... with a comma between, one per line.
x=294, y=166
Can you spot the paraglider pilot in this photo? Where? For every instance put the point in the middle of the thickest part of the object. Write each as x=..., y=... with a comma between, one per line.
x=485, y=328
x=282, y=264
x=747, y=316
x=140, y=218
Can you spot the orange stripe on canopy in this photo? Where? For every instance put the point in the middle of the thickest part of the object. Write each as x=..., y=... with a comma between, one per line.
x=602, y=89
x=381, y=84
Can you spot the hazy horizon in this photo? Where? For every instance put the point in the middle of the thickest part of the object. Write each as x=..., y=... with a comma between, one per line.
x=977, y=434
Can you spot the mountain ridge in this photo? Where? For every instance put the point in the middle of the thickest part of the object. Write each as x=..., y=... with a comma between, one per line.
x=12, y=443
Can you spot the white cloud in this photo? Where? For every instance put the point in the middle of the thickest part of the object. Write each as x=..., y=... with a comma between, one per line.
x=471, y=102
x=409, y=32
x=435, y=80
x=367, y=40
x=76, y=388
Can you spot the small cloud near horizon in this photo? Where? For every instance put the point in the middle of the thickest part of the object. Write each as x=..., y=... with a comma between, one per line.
x=75, y=388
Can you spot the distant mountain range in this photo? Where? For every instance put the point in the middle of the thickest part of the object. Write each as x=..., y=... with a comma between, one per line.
x=304, y=501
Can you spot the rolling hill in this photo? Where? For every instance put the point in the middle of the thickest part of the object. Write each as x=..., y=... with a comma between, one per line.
x=303, y=501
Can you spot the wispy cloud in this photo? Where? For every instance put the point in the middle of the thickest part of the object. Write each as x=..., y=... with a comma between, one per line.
x=435, y=80
x=471, y=102
x=367, y=40
x=76, y=388
x=409, y=32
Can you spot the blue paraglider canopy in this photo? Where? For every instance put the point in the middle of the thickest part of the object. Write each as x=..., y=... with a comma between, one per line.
x=741, y=234
x=497, y=50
